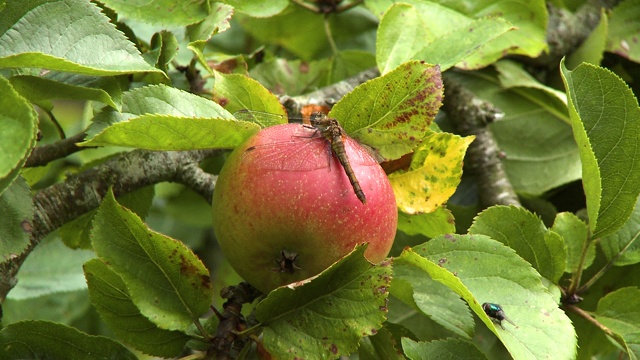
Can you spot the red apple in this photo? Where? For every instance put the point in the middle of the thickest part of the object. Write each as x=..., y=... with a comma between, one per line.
x=284, y=210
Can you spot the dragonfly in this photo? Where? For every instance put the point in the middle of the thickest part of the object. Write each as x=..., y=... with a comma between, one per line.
x=321, y=128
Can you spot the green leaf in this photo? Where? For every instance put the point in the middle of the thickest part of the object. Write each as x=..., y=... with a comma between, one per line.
x=16, y=207
x=111, y=299
x=441, y=349
x=529, y=17
x=418, y=290
x=434, y=173
x=47, y=340
x=382, y=345
x=166, y=132
x=400, y=36
x=438, y=222
x=392, y=113
x=606, y=123
x=174, y=13
x=159, y=117
x=65, y=35
x=618, y=311
x=325, y=316
x=216, y=22
x=259, y=8
x=623, y=245
x=534, y=134
x=526, y=234
x=160, y=100
x=576, y=237
x=471, y=35
x=460, y=44
x=75, y=233
x=624, y=30
x=18, y=135
x=40, y=90
x=238, y=92
x=480, y=270
x=166, y=281
x=39, y=275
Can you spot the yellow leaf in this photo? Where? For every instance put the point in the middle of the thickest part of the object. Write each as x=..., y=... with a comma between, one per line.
x=434, y=173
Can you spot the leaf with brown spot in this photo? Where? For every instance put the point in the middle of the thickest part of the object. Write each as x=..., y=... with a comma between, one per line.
x=392, y=113
x=165, y=279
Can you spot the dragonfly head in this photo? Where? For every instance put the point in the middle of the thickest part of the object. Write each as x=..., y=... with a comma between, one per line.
x=317, y=118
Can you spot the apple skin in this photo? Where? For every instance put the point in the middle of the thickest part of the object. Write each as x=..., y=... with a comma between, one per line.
x=284, y=199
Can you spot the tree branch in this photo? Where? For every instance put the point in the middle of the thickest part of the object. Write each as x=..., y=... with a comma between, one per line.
x=470, y=116
x=82, y=192
x=42, y=155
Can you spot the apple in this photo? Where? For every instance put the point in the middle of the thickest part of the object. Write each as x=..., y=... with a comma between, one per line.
x=284, y=209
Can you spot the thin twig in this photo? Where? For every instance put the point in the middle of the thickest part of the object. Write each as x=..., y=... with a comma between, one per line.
x=42, y=155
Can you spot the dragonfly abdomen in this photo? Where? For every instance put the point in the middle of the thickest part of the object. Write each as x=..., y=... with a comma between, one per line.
x=338, y=148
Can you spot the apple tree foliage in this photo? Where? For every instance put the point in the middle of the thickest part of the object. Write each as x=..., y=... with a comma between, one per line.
x=116, y=116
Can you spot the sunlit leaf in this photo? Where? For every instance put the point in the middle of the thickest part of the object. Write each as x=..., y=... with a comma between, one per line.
x=176, y=13
x=65, y=35
x=165, y=132
x=237, y=92
x=258, y=8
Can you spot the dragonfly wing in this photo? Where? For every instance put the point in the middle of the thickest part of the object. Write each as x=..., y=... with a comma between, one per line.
x=358, y=153
x=301, y=152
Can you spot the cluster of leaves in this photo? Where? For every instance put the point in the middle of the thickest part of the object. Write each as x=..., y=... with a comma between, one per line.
x=152, y=291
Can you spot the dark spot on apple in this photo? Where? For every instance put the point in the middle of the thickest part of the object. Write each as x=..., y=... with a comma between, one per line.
x=287, y=262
